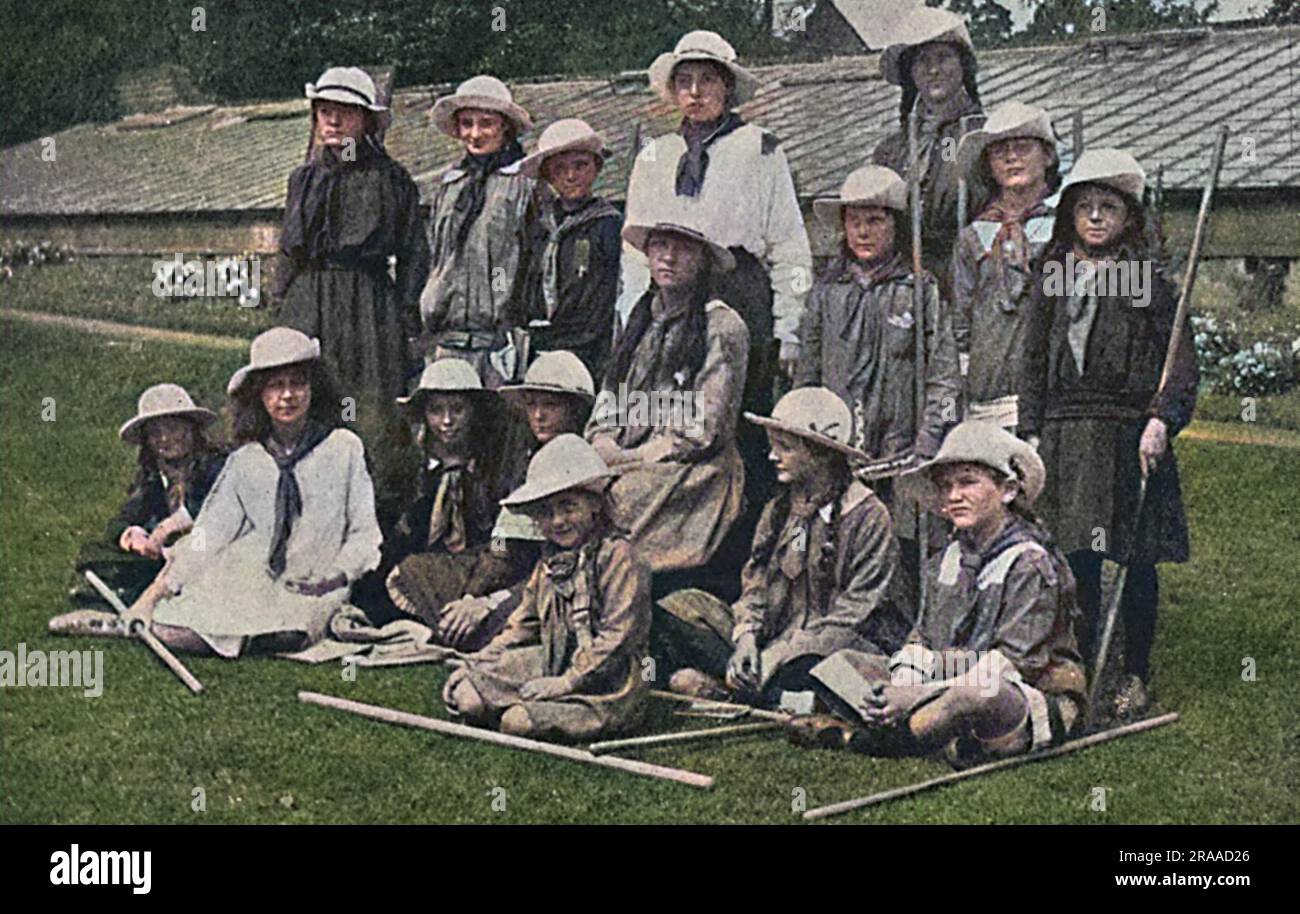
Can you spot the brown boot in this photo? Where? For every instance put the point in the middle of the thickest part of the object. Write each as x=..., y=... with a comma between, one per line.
x=697, y=684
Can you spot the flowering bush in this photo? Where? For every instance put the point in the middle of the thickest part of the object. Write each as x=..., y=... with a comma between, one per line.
x=1231, y=363
x=21, y=254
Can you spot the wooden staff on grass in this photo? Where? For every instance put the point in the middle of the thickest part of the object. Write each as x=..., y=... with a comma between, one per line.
x=140, y=631
x=1180, y=318
x=1141, y=726
x=447, y=728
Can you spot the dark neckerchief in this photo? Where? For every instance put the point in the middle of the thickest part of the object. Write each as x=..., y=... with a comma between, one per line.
x=469, y=205
x=693, y=164
x=288, y=497
x=177, y=479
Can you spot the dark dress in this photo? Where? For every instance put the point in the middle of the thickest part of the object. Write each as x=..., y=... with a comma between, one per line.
x=147, y=505
x=571, y=281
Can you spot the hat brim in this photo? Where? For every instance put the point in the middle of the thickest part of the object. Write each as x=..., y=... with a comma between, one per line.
x=917, y=484
x=341, y=97
x=130, y=432
x=823, y=440
x=972, y=146
x=638, y=235
x=830, y=210
x=891, y=59
x=531, y=165
x=661, y=72
x=445, y=108
x=511, y=392
x=1132, y=185
x=475, y=393
x=532, y=492
x=240, y=377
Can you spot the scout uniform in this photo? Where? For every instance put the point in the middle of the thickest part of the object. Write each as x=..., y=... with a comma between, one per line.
x=584, y=616
x=819, y=578
x=571, y=280
x=477, y=220
x=993, y=271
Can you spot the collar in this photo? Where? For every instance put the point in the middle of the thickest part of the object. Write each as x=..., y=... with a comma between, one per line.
x=842, y=270
x=853, y=496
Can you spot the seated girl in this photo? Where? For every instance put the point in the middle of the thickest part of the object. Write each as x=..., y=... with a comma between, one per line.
x=993, y=669
x=177, y=467
x=288, y=526
x=819, y=579
x=670, y=403
x=568, y=663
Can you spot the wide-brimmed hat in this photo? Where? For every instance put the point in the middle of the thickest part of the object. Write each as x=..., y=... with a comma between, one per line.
x=347, y=86
x=565, y=462
x=702, y=45
x=447, y=376
x=556, y=372
x=1009, y=121
x=486, y=93
x=1113, y=168
x=164, y=400
x=923, y=25
x=639, y=235
x=275, y=348
x=987, y=444
x=871, y=185
x=815, y=414
x=567, y=135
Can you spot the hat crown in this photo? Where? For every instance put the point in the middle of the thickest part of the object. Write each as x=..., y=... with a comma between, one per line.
x=449, y=374
x=164, y=398
x=348, y=78
x=281, y=346
x=565, y=131
x=486, y=86
x=874, y=185
x=1012, y=116
x=564, y=462
x=1113, y=167
x=816, y=410
x=987, y=444
x=563, y=370
x=702, y=41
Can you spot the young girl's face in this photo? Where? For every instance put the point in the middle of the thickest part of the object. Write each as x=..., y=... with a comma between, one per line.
x=170, y=438
x=549, y=414
x=675, y=260
x=447, y=419
x=869, y=232
x=572, y=174
x=481, y=132
x=1020, y=162
x=700, y=90
x=972, y=496
x=286, y=395
x=336, y=124
x=568, y=519
x=1100, y=216
x=936, y=71
x=792, y=456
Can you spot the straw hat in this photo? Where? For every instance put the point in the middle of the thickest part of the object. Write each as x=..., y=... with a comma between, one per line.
x=565, y=462
x=450, y=376
x=702, y=45
x=557, y=372
x=486, y=93
x=1012, y=120
x=871, y=185
x=639, y=235
x=1113, y=168
x=987, y=444
x=567, y=135
x=347, y=86
x=923, y=25
x=164, y=400
x=815, y=414
x=275, y=348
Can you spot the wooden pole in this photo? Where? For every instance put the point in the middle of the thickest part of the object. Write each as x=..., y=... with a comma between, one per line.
x=447, y=728
x=919, y=355
x=875, y=799
x=685, y=736
x=728, y=705
x=141, y=632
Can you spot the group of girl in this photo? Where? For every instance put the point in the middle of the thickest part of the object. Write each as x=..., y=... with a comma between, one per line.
x=605, y=488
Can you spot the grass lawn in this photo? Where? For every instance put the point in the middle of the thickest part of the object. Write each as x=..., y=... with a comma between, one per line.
x=137, y=753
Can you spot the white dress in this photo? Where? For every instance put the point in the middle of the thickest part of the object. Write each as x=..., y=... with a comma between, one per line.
x=219, y=573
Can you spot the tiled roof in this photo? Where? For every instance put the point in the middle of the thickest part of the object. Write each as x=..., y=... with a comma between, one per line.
x=1158, y=95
